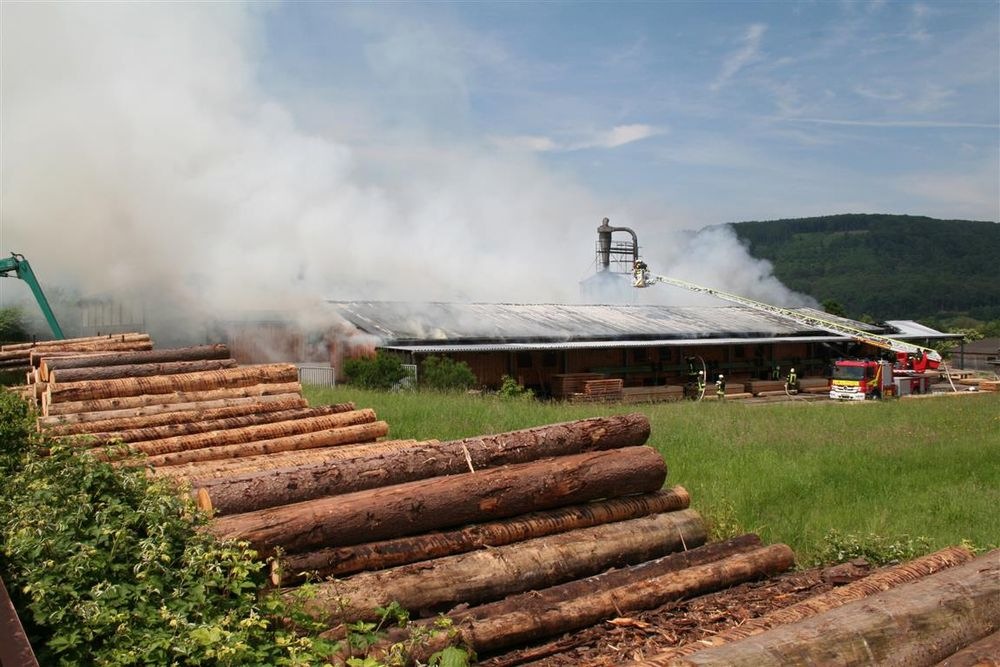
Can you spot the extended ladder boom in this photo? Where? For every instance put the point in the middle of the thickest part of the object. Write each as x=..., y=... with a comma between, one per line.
x=645, y=279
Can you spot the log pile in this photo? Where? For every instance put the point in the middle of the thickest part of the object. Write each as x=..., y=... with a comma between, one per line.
x=517, y=536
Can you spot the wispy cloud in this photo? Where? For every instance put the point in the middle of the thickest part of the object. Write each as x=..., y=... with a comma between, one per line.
x=747, y=54
x=618, y=135
x=892, y=123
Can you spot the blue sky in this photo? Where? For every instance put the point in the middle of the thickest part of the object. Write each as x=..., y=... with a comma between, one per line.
x=718, y=111
x=248, y=155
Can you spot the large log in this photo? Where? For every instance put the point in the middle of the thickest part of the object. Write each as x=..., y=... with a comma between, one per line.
x=365, y=432
x=217, y=469
x=917, y=624
x=70, y=342
x=614, y=578
x=489, y=574
x=983, y=653
x=255, y=433
x=244, y=376
x=151, y=433
x=106, y=404
x=91, y=373
x=445, y=502
x=395, y=465
x=196, y=353
x=180, y=422
x=116, y=346
x=240, y=406
x=531, y=621
x=876, y=582
x=340, y=561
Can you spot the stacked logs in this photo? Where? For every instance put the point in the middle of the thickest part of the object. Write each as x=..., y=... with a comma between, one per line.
x=427, y=524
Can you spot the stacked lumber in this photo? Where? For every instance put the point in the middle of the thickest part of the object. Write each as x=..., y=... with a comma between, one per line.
x=599, y=391
x=652, y=394
x=565, y=385
x=755, y=387
x=989, y=385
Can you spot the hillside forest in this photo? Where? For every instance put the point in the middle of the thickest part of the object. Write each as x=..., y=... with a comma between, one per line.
x=873, y=267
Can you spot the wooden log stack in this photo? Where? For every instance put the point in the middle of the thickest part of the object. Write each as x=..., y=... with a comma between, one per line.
x=523, y=526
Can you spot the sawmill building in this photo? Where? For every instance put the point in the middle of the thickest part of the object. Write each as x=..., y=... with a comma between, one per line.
x=645, y=345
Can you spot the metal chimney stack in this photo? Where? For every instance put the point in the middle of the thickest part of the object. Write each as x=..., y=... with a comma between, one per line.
x=622, y=253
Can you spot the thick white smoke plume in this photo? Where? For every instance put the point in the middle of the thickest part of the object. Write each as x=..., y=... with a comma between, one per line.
x=143, y=159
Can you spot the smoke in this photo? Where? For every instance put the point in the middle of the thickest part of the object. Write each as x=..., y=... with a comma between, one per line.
x=142, y=158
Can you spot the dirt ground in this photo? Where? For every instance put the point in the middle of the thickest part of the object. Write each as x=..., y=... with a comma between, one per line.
x=646, y=633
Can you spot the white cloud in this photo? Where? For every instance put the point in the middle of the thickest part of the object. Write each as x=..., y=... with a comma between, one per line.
x=748, y=54
x=971, y=194
x=619, y=135
x=892, y=123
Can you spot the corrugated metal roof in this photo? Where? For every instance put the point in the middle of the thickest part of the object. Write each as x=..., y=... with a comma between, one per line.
x=500, y=326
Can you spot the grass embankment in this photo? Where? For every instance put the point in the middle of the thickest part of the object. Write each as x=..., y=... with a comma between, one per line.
x=793, y=472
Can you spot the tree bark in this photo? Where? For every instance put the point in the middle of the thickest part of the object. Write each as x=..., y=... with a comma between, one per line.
x=258, y=432
x=209, y=470
x=616, y=578
x=228, y=424
x=258, y=406
x=533, y=622
x=489, y=574
x=244, y=376
x=341, y=561
x=241, y=405
x=360, y=433
x=196, y=353
x=920, y=623
x=70, y=342
x=983, y=653
x=445, y=502
x=857, y=590
x=122, y=402
x=91, y=373
x=127, y=346
x=395, y=465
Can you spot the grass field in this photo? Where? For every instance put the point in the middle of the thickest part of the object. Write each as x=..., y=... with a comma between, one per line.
x=899, y=470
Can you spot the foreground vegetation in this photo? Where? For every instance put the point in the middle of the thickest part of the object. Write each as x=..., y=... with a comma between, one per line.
x=894, y=477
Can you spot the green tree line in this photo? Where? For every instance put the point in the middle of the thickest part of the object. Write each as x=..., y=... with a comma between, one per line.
x=940, y=272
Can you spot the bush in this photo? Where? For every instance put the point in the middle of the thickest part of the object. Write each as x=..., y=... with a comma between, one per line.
x=382, y=371
x=446, y=374
x=876, y=549
x=509, y=388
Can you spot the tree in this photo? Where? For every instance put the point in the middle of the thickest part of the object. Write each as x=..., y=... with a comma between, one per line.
x=382, y=371
x=834, y=308
x=445, y=373
x=12, y=324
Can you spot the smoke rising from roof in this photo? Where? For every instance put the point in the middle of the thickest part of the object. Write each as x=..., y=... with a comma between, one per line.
x=143, y=158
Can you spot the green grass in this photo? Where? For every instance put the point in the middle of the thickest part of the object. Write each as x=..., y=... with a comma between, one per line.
x=792, y=471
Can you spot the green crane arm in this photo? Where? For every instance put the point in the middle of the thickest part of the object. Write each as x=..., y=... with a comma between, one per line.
x=22, y=269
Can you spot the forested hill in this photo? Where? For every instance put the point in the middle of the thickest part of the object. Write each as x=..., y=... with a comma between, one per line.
x=886, y=266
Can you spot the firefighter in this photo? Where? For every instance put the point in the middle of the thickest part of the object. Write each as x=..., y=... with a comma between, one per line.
x=639, y=273
x=720, y=387
x=776, y=372
x=701, y=383
x=792, y=383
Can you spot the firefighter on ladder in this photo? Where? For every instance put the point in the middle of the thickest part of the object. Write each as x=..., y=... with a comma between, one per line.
x=639, y=273
x=792, y=383
x=720, y=387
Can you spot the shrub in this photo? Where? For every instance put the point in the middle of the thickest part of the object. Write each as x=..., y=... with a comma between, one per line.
x=445, y=373
x=876, y=549
x=509, y=388
x=382, y=371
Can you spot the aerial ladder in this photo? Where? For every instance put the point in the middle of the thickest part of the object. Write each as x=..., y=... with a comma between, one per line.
x=853, y=379
x=18, y=266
